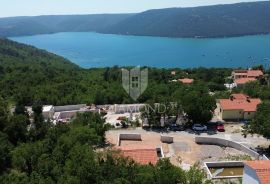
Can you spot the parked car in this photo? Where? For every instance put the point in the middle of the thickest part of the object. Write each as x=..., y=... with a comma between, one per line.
x=220, y=127
x=175, y=127
x=199, y=127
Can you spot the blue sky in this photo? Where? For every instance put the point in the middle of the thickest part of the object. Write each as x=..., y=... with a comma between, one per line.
x=46, y=7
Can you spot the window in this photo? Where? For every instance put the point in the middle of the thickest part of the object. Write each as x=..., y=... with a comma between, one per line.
x=135, y=82
x=135, y=79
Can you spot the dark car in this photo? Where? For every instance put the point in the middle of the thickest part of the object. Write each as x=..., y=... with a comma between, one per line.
x=175, y=127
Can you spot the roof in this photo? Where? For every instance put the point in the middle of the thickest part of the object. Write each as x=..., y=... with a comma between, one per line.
x=240, y=102
x=254, y=73
x=140, y=154
x=262, y=169
x=240, y=73
x=47, y=108
x=244, y=80
x=240, y=96
x=186, y=80
x=248, y=73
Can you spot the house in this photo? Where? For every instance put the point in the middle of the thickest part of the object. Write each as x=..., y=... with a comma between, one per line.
x=186, y=80
x=238, y=74
x=242, y=77
x=241, y=81
x=48, y=112
x=173, y=73
x=141, y=154
x=237, y=107
x=257, y=172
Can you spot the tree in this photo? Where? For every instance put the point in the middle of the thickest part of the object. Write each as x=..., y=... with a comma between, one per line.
x=5, y=148
x=261, y=122
x=20, y=109
x=93, y=121
x=3, y=114
x=199, y=107
x=17, y=129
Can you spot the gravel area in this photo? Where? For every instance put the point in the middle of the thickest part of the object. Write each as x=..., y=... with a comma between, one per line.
x=184, y=151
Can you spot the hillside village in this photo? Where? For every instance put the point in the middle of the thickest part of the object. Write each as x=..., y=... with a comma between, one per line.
x=219, y=141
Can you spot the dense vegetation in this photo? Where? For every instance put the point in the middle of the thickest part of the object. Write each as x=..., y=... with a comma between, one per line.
x=261, y=123
x=39, y=152
x=30, y=75
x=210, y=21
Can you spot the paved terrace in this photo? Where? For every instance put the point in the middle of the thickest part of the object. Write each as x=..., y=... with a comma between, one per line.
x=184, y=151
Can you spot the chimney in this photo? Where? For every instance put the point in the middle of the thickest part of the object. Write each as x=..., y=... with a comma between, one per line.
x=248, y=99
x=231, y=98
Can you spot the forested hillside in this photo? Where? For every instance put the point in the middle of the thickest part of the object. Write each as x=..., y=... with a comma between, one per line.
x=18, y=26
x=209, y=21
x=29, y=74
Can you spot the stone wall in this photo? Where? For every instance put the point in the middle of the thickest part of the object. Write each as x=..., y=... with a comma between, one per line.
x=166, y=139
x=227, y=143
x=126, y=136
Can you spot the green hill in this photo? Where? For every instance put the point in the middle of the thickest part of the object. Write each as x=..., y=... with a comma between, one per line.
x=28, y=74
x=18, y=26
x=208, y=21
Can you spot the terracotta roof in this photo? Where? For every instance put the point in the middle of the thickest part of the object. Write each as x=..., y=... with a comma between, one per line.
x=254, y=73
x=248, y=73
x=240, y=103
x=239, y=73
x=186, y=80
x=240, y=96
x=262, y=169
x=244, y=80
x=140, y=154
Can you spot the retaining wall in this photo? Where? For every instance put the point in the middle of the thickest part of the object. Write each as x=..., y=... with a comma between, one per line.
x=69, y=107
x=208, y=165
x=227, y=143
x=133, y=137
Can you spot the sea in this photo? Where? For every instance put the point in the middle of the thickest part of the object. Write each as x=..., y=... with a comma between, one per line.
x=95, y=50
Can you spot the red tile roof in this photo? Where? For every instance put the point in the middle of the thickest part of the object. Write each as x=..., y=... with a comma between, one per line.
x=186, y=80
x=248, y=73
x=254, y=73
x=262, y=169
x=244, y=80
x=240, y=96
x=140, y=154
x=240, y=102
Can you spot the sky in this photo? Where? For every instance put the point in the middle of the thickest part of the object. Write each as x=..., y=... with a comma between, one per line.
x=10, y=8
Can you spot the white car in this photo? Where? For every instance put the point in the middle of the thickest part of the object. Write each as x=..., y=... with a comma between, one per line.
x=199, y=127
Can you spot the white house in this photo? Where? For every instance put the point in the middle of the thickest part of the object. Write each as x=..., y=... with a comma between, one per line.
x=48, y=112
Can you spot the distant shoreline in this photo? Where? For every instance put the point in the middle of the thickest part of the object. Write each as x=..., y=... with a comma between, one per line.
x=196, y=37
